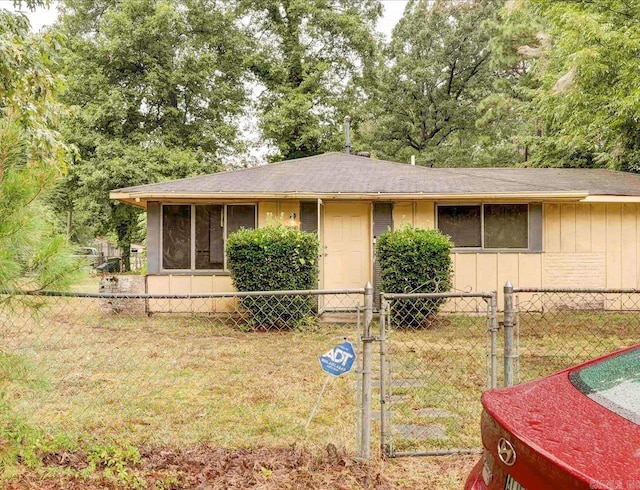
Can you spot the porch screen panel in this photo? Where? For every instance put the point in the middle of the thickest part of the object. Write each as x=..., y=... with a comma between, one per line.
x=462, y=223
x=209, y=237
x=506, y=226
x=176, y=236
x=240, y=216
x=309, y=216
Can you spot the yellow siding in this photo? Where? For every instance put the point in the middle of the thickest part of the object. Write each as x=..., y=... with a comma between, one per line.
x=568, y=228
x=487, y=272
x=266, y=210
x=466, y=270
x=529, y=270
x=614, y=246
x=490, y=271
x=598, y=227
x=583, y=228
x=585, y=245
x=322, y=247
x=552, y=228
x=425, y=215
x=638, y=248
x=591, y=245
x=290, y=212
x=403, y=214
x=279, y=211
x=190, y=284
x=629, y=246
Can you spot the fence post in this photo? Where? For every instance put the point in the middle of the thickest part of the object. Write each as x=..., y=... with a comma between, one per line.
x=508, y=334
x=367, y=354
x=384, y=443
x=494, y=339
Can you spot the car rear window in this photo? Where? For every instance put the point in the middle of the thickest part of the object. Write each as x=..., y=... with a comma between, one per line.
x=613, y=383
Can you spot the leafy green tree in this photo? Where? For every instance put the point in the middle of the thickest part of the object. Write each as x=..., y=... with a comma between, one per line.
x=32, y=156
x=437, y=70
x=583, y=91
x=157, y=86
x=310, y=57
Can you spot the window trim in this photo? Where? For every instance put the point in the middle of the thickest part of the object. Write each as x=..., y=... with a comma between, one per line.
x=193, y=269
x=482, y=247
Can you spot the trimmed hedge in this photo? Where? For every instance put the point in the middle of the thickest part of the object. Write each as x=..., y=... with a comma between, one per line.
x=275, y=258
x=413, y=260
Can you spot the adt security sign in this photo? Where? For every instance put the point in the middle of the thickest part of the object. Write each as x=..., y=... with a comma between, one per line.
x=338, y=360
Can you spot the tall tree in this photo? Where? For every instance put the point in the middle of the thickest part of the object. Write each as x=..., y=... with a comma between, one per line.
x=584, y=58
x=437, y=70
x=157, y=85
x=309, y=59
x=32, y=156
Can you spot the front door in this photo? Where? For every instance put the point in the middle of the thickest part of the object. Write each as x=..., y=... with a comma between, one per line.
x=347, y=245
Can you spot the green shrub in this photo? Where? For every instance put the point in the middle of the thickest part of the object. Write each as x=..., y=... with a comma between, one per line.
x=414, y=261
x=275, y=258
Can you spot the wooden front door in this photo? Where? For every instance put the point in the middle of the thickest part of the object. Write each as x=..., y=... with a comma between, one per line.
x=347, y=245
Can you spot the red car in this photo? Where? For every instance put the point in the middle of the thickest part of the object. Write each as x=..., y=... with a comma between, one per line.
x=577, y=429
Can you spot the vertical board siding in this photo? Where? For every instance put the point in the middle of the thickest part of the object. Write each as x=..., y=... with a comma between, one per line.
x=568, y=228
x=637, y=285
x=466, y=271
x=552, y=228
x=614, y=245
x=629, y=246
x=583, y=228
x=487, y=272
x=598, y=227
x=425, y=215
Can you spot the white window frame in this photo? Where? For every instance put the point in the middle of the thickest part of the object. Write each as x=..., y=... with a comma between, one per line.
x=482, y=247
x=193, y=269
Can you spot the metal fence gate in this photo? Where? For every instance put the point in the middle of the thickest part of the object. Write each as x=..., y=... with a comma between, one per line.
x=438, y=352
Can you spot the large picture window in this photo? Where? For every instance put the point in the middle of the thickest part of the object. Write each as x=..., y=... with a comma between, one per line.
x=486, y=226
x=194, y=236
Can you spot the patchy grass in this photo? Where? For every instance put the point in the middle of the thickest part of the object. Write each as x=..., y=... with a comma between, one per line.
x=110, y=390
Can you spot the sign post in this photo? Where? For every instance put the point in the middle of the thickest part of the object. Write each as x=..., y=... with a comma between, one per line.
x=335, y=362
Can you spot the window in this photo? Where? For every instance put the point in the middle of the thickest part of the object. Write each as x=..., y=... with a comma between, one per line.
x=486, y=226
x=309, y=216
x=194, y=236
x=613, y=383
x=176, y=237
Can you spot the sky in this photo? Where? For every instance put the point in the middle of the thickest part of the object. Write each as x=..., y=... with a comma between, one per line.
x=393, y=10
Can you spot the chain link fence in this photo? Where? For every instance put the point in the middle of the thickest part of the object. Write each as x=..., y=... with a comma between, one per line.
x=242, y=369
x=438, y=355
x=557, y=328
x=233, y=369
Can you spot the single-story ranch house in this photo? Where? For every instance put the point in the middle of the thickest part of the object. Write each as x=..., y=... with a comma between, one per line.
x=538, y=227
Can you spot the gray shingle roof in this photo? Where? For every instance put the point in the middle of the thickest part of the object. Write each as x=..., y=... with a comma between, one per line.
x=339, y=173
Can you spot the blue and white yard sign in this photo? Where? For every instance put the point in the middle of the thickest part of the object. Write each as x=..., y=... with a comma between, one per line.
x=338, y=360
